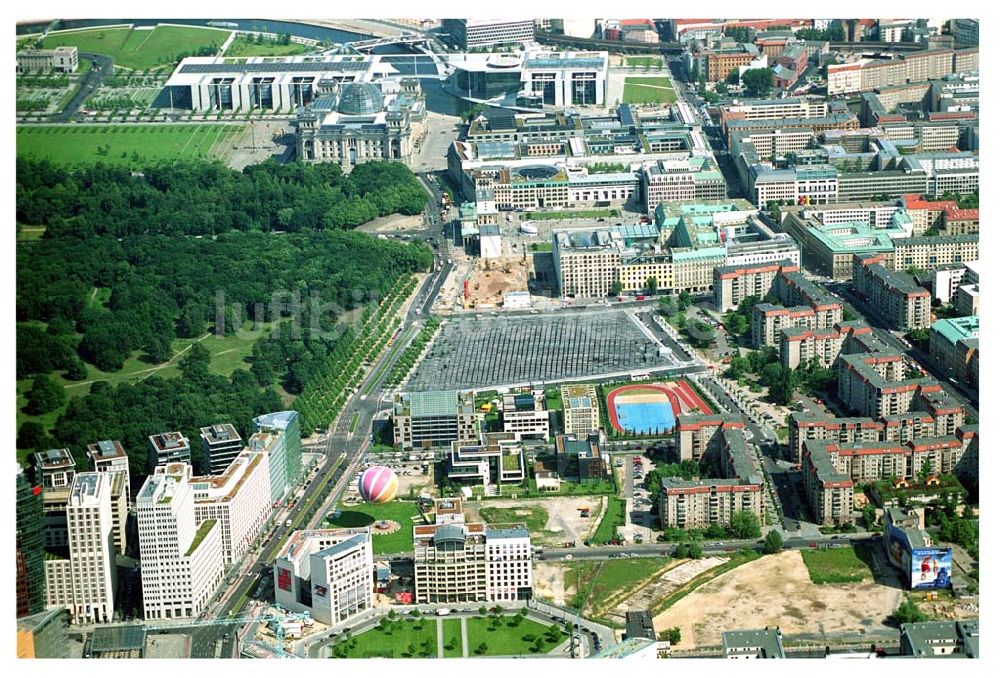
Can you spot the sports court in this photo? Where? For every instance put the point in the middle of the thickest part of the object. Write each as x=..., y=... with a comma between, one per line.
x=637, y=409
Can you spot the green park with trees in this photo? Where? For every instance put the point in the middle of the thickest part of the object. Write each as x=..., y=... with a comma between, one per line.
x=130, y=266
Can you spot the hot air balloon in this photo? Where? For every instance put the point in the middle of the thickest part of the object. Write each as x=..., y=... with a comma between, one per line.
x=378, y=485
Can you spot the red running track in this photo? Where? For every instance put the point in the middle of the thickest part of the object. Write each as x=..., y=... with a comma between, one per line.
x=681, y=391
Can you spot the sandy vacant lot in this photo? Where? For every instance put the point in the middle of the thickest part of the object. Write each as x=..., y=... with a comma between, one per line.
x=394, y=222
x=564, y=522
x=776, y=590
x=667, y=583
x=549, y=581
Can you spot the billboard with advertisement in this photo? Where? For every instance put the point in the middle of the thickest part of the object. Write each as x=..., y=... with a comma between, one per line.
x=930, y=568
x=897, y=546
x=284, y=579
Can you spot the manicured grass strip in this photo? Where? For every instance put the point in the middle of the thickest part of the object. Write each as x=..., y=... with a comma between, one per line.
x=598, y=585
x=839, y=565
x=132, y=146
x=142, y=49
x=402, y=638
x=405, y=513
x=648, y=91
x=613, y=518
x=513, y=636
x=452, y=630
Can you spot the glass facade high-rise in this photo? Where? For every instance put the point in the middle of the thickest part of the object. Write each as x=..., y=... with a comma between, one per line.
x=290, y=444
x=30, y=553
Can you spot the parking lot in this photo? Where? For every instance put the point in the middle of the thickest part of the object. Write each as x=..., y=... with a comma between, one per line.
x=497, y=350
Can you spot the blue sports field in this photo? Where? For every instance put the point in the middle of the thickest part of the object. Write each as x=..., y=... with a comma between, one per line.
x=645, y=417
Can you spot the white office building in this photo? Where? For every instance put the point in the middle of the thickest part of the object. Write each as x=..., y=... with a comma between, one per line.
x=535, y=78
x=328, y=573
x=181, y=556
x=240, y=499
x=472, y=33
x=84, y=582
x=508, y=563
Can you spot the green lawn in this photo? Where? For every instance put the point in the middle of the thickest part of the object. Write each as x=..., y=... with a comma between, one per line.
x=452, y=629
x=613, y=518
x=508, y=638
x=643, y=61
x=403, y=638
x=242, y=47
x=134, y=146
x=141, y=49
x=227, y=354
x=649, y=91
x=838, y=566
x=597, y=583
x=534, y=517
x=405, y=513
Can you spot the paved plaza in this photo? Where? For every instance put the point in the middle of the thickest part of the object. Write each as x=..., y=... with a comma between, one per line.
x=499, y=351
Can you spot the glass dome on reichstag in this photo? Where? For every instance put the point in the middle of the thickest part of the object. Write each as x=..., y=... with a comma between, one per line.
x=361, y=98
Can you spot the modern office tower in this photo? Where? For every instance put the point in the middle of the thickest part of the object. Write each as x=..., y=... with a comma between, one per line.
x=109, y=455
x=286, y=427
x=328, y=573
x=84, y=582
x=166, y=448
x=240, y=499
x=434, y=418
x=220, y=443
x=54, y=471
x=43, y=635
x=181, y=555
x=29, y=546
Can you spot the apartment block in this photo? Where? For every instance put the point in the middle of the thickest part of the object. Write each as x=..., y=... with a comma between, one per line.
x=581, y=413
x=434, y=419
x=753, y=644
x=690, y=504
x=326, y=573
x=84, y=580
x=949, y=639
x=954, y=348
x=733, y=284
x=182, y=558
x=830, y=493
x=898, y=301
x=695, y=434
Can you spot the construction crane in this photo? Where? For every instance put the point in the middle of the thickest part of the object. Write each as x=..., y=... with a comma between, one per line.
x=253, y=648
